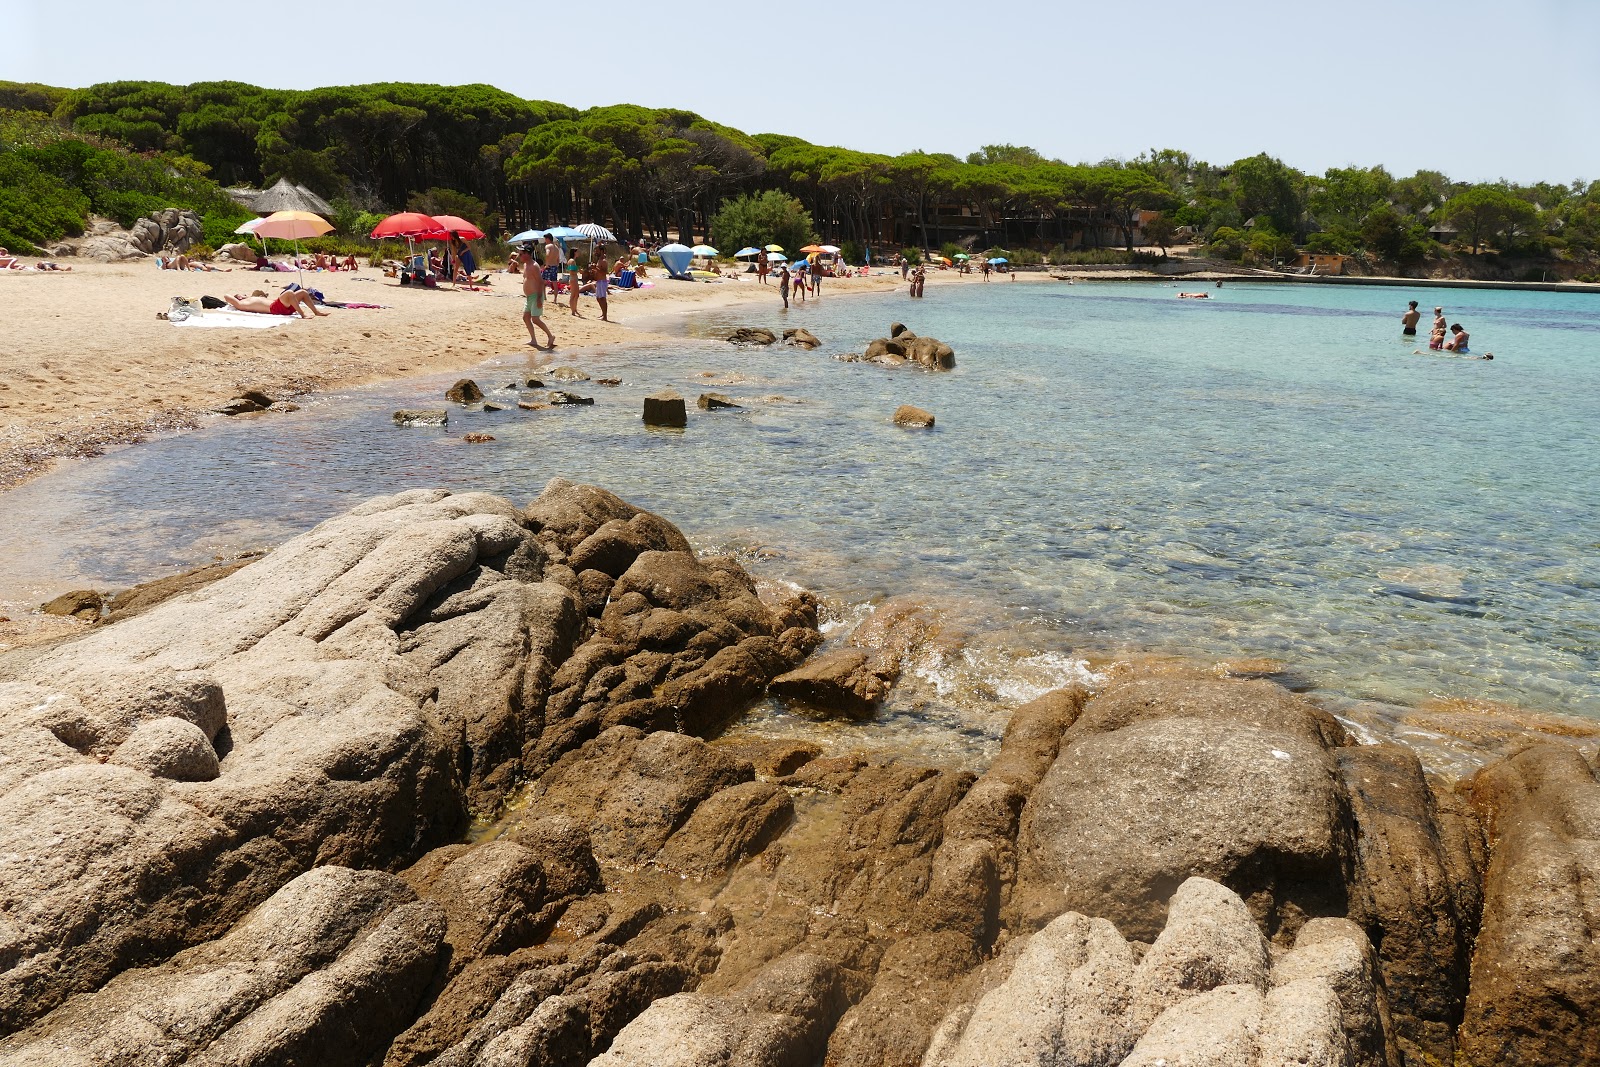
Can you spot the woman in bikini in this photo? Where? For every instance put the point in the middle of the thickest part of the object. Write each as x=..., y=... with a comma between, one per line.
x=288, y=302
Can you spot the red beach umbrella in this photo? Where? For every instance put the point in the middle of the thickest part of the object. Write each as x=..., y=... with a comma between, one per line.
x=412, y=225
x=460, y=226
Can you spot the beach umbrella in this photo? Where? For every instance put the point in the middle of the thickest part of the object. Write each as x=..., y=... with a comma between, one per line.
x=999, y=259
x=746, y=251
x=459, y=226
x=595, y=232
x=774, y=248
x=962, y=255
x=832, y=250
x=813, y=248
x=704, y=250
x=413, y=226
x=249, y=228
x=945, y=261
x=777, y=257
x=525, y=237
x=294, y=226
x=675, y=258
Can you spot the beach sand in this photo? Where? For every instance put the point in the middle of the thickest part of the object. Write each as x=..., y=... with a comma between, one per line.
x=87, y=365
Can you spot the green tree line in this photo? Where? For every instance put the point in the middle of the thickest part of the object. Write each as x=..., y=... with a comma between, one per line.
x=650, y=171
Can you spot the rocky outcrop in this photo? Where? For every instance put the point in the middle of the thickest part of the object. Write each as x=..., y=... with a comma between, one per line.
x=238, y=251
x=85, y=604
x=1206, y=991
x=906, y=347
x=169, y=229
x=421, y=417
x=347, y=699
x=800, y=337
x=327, y=970
x=1535, y=983
x=752, y=335
x=234, y=828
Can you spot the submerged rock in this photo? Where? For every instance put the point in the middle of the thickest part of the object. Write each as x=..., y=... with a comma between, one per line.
x=421, y=417
x=715, y=402
x=567, y=374
x=913, y=417
x=562, y=398
x=752, y=335
x=848, y=681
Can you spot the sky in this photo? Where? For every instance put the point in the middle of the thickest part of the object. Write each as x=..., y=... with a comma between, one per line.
x=1478, y=90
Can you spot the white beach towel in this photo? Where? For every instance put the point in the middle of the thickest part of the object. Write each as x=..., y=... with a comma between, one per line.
x=237, y=320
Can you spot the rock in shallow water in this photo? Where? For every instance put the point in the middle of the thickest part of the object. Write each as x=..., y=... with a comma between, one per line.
x=665, y=409
x=421, y=417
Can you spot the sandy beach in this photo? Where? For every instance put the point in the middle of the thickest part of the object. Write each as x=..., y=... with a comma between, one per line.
x=87, y=364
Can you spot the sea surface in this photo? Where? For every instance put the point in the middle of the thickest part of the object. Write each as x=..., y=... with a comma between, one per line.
x=1271, y=472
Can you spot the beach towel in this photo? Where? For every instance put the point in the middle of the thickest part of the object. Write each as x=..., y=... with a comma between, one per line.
x=236, y=320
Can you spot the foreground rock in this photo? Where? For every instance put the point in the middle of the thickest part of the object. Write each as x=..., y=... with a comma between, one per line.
x=347, y=699
x=231, y=830
x=752, y=335
x=421, y=417
x=847, y=681
x=800, y=337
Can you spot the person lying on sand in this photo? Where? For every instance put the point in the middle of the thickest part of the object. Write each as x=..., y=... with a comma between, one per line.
x=183, y=262
x=8, y=261
x=289, y=302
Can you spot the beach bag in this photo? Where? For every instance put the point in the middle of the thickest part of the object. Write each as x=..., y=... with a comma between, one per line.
x=209, y=302
x=179, y=310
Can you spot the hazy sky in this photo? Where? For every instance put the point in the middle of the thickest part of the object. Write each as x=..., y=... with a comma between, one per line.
x=1475, y=89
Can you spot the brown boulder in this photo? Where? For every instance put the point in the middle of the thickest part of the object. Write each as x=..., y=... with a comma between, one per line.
x=715, y=402
x=1162, y=780
x=1535, y=988
x=913, y=418
x=847, y=681
x=85, y=604
x=752, y=335
x=665, y=409
x=465, y=391
x=800, y=337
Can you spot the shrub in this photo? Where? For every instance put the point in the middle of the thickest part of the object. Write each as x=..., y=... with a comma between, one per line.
x=760, y=219
x=949, y=250
x=912, y=256
x=1027, y=257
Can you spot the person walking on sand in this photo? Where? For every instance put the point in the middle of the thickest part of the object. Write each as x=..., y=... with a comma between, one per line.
x=533, y=284
x=1408, y=321
x=986, y=270
x=600, y=271
x=574, y=284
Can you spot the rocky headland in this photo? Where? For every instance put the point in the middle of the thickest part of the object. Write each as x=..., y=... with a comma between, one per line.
x=441, y=781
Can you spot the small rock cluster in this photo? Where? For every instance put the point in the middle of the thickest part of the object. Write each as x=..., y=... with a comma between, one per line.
x=902, y=347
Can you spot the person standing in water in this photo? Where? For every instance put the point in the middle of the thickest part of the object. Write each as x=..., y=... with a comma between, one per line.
x=763, y=265
x=599, y=271
x=783, y=285
x=1408, y=321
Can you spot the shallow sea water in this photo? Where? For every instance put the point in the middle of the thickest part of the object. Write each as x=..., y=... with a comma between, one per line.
x=1268, y=473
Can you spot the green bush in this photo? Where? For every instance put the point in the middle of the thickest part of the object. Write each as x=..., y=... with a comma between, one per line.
x=912, y=256
x=1026, y=257
x=761, y=219
x=949, y=250
x=853, y=252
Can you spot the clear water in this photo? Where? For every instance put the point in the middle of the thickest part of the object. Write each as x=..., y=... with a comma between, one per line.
x=1270, y=472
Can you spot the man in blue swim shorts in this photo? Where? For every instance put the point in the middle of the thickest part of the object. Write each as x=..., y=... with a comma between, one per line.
x=533, y=301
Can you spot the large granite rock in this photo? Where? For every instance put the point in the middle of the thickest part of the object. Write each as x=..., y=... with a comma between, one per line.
x=1535, y=982
x=1162, y=780
x=1207, y=991
x=327, y=971
x=348, y=699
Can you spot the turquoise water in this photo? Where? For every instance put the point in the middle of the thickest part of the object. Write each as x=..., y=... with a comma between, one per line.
x=1270, y=472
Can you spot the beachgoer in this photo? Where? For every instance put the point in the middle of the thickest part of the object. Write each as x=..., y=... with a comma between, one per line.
x=289, y=302
x=783, y=285
x=464, y=257
x=798, y=284
x=533, y=284
x=986, y=270
x=762, y=266
x=602, y=280
x=7, y=260
x=1438, y=320
x=574, y=284
x=1458, y=339
x=1408, y=321
x=552, y=260
x=816, y=274
x=905, y=267
x=1436, y=339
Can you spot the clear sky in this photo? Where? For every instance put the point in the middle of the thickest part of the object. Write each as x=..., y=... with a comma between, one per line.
x=1478, y=90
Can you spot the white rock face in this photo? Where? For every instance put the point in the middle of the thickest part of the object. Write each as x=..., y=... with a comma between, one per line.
x=1206, y=993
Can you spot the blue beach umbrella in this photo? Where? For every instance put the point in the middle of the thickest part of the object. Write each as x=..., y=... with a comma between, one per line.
x=777, y=257
x=746, y=252
x=999, y=259
x=525, y=236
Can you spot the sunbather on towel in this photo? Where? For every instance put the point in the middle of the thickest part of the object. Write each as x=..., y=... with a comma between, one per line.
x=8, y=261
x=289, y=302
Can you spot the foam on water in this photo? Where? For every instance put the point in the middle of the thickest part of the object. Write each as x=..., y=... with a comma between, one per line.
x=1269, y=473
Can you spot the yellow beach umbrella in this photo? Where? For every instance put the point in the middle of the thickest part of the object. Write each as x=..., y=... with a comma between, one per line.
x=294, y=226
x=774, y=248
